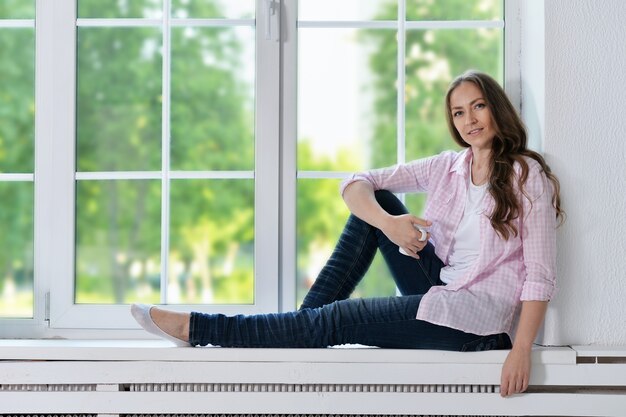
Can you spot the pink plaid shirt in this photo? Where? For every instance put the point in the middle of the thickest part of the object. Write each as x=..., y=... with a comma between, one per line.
x=488, y=298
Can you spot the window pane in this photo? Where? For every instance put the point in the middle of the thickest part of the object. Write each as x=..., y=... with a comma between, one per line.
x=17, y=9
x=433, y=58
x=17, y=99
x=118, y=241
x=211, y=242
x=415, y=203
x=321, y=217
x=16, y=257
x=339, y=73
x=120, y=9
x=212, y=98
x=454, y=10
x=119, y=99
x=347, y=9
x=213, y=9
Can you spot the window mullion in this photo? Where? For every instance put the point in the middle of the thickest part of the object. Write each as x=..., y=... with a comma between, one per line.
x=512, y=52
x=55, y=77
x=165, y=151
x=401, y=82
x=266, y=224
x=288, y=184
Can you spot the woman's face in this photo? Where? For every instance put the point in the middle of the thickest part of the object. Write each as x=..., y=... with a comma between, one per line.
x=471, y=116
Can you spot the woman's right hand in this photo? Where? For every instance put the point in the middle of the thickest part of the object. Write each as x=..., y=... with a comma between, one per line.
x=402, y=231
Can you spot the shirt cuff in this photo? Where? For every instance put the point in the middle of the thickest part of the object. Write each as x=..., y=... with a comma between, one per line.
x=352, y=178
x=536, y=291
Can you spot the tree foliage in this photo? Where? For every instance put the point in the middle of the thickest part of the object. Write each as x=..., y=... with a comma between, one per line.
x=120, y=129
x=17, y=116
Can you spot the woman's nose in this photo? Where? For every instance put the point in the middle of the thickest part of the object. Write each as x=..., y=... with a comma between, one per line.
x=469, y=118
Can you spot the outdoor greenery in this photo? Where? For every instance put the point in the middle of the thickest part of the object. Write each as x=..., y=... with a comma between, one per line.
x=211, y=228
x=17, y=131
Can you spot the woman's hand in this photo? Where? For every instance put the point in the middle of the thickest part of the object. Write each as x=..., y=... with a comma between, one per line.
x=516, y=369
x=401, y=230
x=515, y=372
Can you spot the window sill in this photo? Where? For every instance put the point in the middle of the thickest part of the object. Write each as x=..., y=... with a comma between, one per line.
x=157, y=350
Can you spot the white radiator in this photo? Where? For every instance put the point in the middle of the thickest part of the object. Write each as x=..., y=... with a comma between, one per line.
x=150, y=379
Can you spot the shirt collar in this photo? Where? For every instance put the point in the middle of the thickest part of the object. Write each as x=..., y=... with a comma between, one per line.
x=461, y=165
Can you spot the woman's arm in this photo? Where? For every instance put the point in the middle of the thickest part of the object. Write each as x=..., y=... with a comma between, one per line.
x=360, y=199
x=516, y=369
x=539, y=250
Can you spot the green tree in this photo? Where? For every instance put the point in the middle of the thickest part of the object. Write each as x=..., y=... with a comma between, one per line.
x=119, y=129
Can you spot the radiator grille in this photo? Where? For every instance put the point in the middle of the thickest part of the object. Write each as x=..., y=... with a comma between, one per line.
x=48, y=387
x=229, y=415
x=51, y=415
x=282, y=388
x=372, y=388
x=291, y=415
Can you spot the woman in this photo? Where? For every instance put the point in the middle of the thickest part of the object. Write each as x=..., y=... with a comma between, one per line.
x=485, y=270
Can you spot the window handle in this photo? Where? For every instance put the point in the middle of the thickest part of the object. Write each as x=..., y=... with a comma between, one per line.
x=271, y=8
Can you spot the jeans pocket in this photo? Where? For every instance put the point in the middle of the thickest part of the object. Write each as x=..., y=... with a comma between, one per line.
x=491, y=342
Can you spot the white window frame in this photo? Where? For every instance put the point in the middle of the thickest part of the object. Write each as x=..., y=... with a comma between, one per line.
x=55, y=314
x=55, y=168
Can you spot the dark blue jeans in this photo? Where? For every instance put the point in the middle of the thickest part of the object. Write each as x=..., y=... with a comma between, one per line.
x=328, y=317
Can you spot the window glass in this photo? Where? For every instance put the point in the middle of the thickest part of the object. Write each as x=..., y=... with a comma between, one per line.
x=346, y=10
x=16, y=257
x=118, y=241
x=211, y=242
x=119, y=99
x=212, y=98
x=17, y=131
x=120, y=9
x=454, y=9
x=337, y=83
x=17, y=9
x=213, y=9
x=17, y=99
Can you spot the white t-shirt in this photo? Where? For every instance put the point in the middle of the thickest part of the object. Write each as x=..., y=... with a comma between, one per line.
x=466, y=242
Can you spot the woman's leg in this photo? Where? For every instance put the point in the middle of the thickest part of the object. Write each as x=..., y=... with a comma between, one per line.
x=355, y=251
x=385, y=322
x=350, y=260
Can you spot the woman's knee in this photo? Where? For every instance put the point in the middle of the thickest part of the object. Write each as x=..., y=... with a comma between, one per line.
x=390, y=203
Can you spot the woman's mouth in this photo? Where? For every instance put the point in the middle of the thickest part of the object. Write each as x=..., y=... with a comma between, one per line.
x=474, y=131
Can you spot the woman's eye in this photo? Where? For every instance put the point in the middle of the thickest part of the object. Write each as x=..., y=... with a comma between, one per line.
x=457, y=113
x=480, y=105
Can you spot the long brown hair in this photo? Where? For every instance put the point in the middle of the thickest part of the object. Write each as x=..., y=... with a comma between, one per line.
x=509, y=146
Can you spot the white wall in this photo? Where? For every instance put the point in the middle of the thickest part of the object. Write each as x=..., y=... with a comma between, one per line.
x=583, y=124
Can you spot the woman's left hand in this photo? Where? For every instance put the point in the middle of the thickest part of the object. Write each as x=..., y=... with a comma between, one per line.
x=515, y=372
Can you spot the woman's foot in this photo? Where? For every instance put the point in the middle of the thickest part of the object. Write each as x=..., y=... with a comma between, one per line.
x=170, y=325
